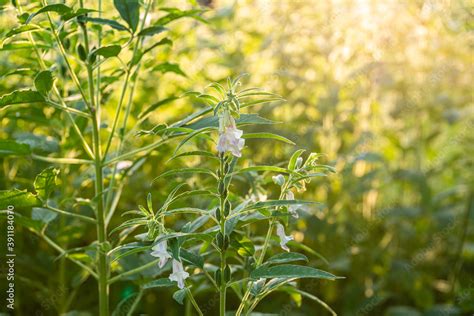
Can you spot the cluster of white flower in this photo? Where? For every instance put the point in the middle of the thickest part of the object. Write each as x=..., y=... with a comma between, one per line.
x=229, y=136
x=179, y=274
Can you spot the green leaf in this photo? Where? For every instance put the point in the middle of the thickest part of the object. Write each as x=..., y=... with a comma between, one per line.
x=261, y=168
x=18, y=199
x=201, y=153
x=22, y=29
x=195, y=133
x=45, y=182
x=113, y=24
x=179, y=295
x=272, y=203
x=191, y=258
x=44, y=81
x=184, y=171
x=19, y=71
x=286, y=257
x=294, y=158
x=23, y=45
x=163, y=41
x=79, y=13
x=316, y=299
x=42, y=214
x=244, y=119
x=174, y=14
x=59, y=8
x=133, y=247
x=200, y=236
x=152, y=30
x=12, y=148
x=303, y=247
x=290, y=271
x=20, y=97
x=25, y=221
x=169, y=67
x=129, y=11
x=106, y=51
x=267, y=136
x=243, y=245
x=164, y=282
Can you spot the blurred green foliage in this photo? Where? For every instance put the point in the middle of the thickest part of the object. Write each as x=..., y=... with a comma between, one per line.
x=382, y=88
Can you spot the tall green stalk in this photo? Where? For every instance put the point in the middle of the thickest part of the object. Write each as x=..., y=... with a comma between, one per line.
x=223, y=275
x=102, y=268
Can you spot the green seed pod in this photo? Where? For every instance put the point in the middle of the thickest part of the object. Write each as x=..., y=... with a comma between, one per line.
x=81, y=52
x=218, y=214
x=226, y=242
x=226, y=167
x=227, y=207
x=219, y=240
x=219, y=173
x=66, y=43
x=92, y=57
x=221, y=187
x=227, y=274
x=217, y=276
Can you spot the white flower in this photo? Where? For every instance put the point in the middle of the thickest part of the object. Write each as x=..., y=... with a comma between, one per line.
x=229, y=136
x=178, y=275
x=159, y=251
x=124, y=164
x=279, y=179
x=292, y=208
x=283, y=238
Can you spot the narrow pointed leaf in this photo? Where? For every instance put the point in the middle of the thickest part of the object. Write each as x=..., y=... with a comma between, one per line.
x=113, y=24
x=267, y=136
x=290, y=271
x=286, y=257
x=21, y=97
x=12, y=148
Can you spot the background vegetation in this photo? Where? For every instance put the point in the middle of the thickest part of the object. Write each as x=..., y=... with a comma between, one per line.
x=382, y=88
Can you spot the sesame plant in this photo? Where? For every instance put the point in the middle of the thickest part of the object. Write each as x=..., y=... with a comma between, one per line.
x=217, y=246
x=89, y=137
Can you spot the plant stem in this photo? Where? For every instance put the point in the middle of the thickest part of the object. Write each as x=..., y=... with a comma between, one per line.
x=193, y=301
x=223, y=263
x=133, y=271
x=135, y=303
x=99, y=189
x=63, y=252
x=79, y=216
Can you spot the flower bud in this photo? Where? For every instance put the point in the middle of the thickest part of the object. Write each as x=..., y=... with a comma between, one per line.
x=279, y=179
x=299, y=162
